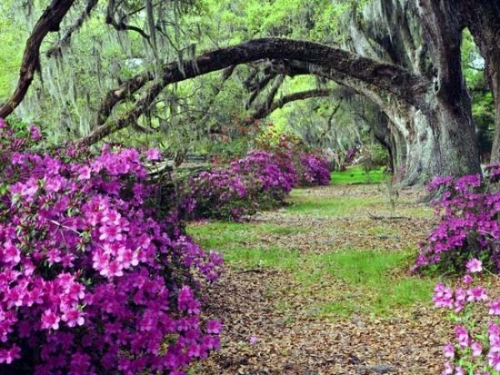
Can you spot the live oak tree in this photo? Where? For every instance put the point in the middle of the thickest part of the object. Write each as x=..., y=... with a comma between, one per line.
x=404, y=56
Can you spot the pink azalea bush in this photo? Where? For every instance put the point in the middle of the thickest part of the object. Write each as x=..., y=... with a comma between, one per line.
x=476, y=348
x=257, y=181
x=271, y=173
x=218, y=194
x=260, y=180
x=467, y=240
x=93, y=279
x=315, y=170
x=468, y=224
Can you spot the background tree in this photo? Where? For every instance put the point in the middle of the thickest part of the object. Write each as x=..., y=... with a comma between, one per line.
x=482, y=18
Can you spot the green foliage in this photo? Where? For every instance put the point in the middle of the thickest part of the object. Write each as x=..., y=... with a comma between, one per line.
x=186, y=115
x=483, y=106
x=12, y=51
x=21, y=128
x=358, y=175
x=98, y=59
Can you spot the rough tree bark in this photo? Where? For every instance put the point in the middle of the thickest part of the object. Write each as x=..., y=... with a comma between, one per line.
x=438, y=138
x=454, y=149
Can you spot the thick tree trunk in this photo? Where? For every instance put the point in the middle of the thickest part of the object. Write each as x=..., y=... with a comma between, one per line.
x=451, y=145
x=437, y=136
x=436, y=142
x=441, y=144
x=495, y=87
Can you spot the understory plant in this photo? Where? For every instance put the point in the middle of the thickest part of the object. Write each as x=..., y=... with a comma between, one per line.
x=468, y=211
x=93, y=279
x=314, y=170
x=466, y=240
x=311, y=168
x=476, y=346
x=257, y=181
x=260, y=180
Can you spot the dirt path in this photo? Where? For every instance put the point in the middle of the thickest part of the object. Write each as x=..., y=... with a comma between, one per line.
x=261, y=338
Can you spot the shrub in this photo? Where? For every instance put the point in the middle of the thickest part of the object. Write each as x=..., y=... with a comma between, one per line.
x=93, y=279
x=261, y=180
x=476, y=347
x=257, y=181
x=468, y=224
x=218, y=194
x=314, y=170
x=467, y=240
x=272, y=174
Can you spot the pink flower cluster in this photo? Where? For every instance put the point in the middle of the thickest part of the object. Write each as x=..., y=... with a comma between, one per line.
x=472, y=350
x=93, y=279
x=315, y=170
x=260, y=180
x=468, y=226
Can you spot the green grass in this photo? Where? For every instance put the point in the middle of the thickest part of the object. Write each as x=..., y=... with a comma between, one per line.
x=374, y=282
x=247, y=245
x=367, y=267
x=356, y=175
x=301, y=203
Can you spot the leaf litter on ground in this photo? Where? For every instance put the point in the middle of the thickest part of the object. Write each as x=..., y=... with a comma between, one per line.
x=278, y=323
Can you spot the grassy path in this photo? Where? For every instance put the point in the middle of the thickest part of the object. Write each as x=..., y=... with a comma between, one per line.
x=322, y=287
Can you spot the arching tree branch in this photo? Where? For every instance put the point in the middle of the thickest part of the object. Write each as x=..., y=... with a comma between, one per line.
x=48, y=22
x=394, y=79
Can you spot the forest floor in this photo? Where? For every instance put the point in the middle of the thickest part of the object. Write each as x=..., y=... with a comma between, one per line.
x=311, y=309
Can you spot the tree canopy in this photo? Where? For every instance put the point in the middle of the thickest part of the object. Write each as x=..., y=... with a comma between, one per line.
x=105, y=66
